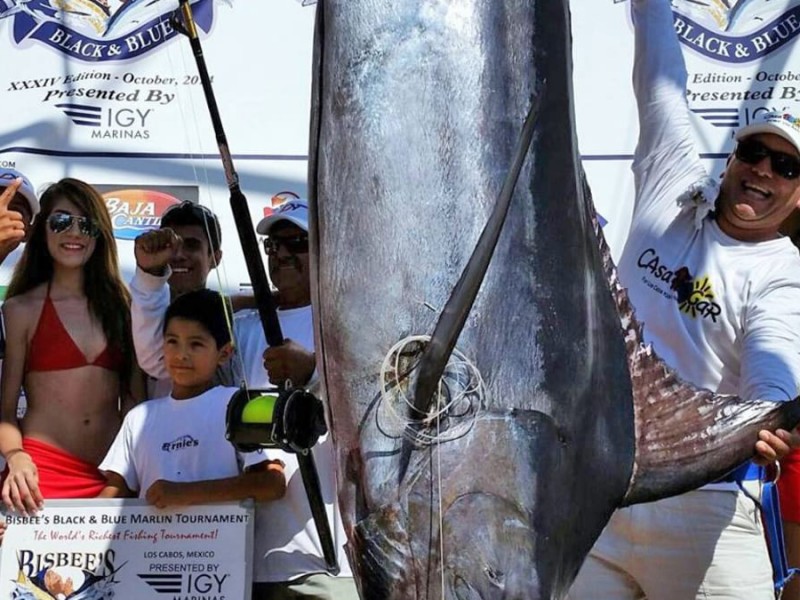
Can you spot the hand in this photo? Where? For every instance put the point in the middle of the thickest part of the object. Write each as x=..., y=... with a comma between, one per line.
x=289, y=361
x=774, y=446
x=12, y=223
x=155, y=249
x=162, y=494
x=21, y=486
x=59, y=587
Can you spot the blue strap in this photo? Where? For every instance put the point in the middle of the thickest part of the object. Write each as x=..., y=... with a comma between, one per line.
x=771, y=516
x=747, y=472
x=771, y=512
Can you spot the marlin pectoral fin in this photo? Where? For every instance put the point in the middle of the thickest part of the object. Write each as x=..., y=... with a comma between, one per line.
x=687, y=437
x=434, y=359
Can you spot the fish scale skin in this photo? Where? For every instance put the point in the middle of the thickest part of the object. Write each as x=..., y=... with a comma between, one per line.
x=417, y=109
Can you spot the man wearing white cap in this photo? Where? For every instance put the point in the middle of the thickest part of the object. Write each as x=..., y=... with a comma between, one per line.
x=18, y=206
x=288, y=560
x=718, y=290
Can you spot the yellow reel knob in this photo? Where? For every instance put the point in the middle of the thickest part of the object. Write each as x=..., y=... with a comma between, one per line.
x=259, y=409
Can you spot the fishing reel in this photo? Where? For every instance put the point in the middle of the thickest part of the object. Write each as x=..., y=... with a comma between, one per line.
x=290, y=419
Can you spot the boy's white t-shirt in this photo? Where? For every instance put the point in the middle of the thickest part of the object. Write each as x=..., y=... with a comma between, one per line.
x=175, y=440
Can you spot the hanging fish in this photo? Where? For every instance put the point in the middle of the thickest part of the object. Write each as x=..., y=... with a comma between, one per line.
x=490, y=398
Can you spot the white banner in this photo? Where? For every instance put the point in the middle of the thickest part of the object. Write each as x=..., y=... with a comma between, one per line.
x=742, y=58
x=104, y=549
x=107, y=91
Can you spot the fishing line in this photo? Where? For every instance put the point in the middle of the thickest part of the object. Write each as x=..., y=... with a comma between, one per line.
x=204, y=191
x=459, y=390
x=441, y=508
x=461, y=383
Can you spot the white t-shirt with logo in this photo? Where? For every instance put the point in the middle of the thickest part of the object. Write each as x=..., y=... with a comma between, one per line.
x=176, y=440
x=724, y=314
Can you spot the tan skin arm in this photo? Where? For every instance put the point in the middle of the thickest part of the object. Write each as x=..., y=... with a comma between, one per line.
x=771, y=447
x=289, y=362
x=20, y=490
x=137, y=389
x=264, y=484
x=12, y=223
x=116, y=487
x=243, y=301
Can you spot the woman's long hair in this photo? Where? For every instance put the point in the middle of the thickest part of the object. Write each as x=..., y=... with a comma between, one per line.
x=108, y=298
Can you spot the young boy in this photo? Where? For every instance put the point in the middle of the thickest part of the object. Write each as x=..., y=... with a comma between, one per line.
x=172, y=451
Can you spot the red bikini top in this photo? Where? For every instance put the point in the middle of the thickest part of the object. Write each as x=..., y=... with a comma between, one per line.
x=53, y=349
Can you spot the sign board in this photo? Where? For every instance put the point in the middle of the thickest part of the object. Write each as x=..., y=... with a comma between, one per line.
x=104, y=549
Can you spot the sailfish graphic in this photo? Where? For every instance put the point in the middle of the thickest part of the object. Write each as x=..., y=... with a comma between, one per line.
x=100, y=17
x=734, y=15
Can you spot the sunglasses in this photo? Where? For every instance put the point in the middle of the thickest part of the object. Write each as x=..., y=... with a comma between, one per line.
x=753, y=152
x=293, y=245
x=61, y=222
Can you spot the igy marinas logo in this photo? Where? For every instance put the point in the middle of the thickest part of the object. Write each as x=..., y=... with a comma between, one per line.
x=99, y=30
x=736, y=31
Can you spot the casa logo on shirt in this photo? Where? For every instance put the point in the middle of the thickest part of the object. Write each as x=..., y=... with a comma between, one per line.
x=99, y=30
x=736, y=31
x=185, y=441
x=694, y=295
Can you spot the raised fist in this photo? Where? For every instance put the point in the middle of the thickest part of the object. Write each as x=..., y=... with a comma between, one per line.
x=12, y=222
x=155, y=249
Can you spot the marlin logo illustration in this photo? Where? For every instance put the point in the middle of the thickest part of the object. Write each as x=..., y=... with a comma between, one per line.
x=99, y=30
x=736, y=31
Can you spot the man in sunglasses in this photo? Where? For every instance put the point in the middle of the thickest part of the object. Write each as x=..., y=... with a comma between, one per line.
x=18, y=207
x=288, y=561
x=718, y=291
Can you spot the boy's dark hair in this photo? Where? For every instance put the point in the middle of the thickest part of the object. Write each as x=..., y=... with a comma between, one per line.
x=205, y=307
x=191, y=213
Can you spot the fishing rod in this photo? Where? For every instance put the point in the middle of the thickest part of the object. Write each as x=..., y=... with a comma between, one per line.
x=289, y=420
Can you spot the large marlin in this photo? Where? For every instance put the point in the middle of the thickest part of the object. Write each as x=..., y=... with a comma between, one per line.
x=493, y=476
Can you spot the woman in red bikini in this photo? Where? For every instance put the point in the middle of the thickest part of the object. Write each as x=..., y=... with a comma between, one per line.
x=69, y=345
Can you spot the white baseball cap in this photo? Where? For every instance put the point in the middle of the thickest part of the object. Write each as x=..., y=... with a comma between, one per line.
x=294, y=211
x=780, y=123
x=7, y=177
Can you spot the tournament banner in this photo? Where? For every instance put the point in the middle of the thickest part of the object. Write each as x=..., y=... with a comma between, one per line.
x=108, y=91
x=104, y=549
